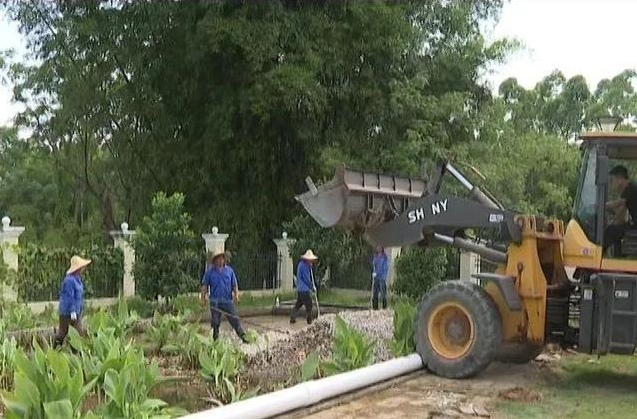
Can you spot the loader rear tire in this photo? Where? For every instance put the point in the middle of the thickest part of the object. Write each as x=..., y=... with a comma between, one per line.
x=518, y=353
x=458, y=329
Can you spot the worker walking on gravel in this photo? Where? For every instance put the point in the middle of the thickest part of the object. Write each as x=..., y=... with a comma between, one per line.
x=219, y=285
x=71, y=299
x=380, y=267
x=304, y=286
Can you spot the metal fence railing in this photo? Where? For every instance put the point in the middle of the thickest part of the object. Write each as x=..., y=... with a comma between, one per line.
x=354, y=275
x=257, y=270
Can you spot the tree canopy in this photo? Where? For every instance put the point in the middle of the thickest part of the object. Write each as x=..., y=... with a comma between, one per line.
x=234, y=103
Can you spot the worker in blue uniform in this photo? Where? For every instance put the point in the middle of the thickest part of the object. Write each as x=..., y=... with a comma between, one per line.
x=219, y=286
x=304, y=286
x=71, y=303
x=380, y=268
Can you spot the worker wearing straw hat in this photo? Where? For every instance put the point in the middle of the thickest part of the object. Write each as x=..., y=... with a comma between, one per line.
x=304, y=286
x=219, y=285
x=71, y=299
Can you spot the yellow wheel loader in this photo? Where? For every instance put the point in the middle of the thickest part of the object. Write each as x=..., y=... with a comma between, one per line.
x=462, y=325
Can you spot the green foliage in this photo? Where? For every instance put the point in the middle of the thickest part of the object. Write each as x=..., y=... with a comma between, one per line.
x=127, y=392
x=18, y=316
x=334, y=247
x=42, y=270
x=188, y=343
x=120, y=319
x=417, y=270
x=163, y=328
x=351, y=349
x=403, y=342
x=46, y=385
x=103, y=352
x=164, y=247
x=310, y=366
x=121, y=128
x=8, y=349
x=220, y=364
x=144, y=308
x=187, y=304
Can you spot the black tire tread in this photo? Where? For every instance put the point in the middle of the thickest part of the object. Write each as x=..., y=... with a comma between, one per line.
x=486, y=319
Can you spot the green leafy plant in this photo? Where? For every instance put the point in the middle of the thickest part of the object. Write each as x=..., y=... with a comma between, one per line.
x=188, y=343
x=351, y=349
x=18, y=316
x=46, y=385
x=310, y=366
x=403, y=342
x=127, y=391
x=8, y=349
x=220, y=364
x=163, y=328
x=144, y=308
x=186, y=304
x=102, y=352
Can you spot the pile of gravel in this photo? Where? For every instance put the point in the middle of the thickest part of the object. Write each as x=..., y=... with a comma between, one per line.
x=277, y=358
x=377, y=325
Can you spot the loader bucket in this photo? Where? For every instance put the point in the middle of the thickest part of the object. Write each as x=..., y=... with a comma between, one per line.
x=354, y=200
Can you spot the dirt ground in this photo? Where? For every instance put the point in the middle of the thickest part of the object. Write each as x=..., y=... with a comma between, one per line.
x=424, y=395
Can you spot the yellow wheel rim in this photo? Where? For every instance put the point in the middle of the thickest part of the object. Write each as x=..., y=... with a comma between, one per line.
x=450, y=330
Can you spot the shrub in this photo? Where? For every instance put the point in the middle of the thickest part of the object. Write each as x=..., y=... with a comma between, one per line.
x=403, y=342
x=42, y=270
x=417, y=270
x=351, y=349
x=164, y=247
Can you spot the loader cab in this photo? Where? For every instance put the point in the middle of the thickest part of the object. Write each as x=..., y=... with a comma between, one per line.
x=587, y=231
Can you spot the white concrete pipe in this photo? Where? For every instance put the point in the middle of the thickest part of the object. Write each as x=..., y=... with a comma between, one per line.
x=312, y=392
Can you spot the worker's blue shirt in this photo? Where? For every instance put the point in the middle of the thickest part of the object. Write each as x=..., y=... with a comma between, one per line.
x=220, y=283
x=71, y=295
x=304, y=276
x=380, y=265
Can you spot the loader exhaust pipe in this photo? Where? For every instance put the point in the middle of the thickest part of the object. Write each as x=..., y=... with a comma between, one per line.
x=492, y=255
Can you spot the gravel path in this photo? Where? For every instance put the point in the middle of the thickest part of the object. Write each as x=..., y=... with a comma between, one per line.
x=277, y=355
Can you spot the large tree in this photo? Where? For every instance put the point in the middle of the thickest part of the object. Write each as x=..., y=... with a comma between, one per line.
x=235, y=102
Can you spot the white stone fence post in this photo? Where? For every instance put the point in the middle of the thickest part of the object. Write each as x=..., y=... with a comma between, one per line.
x=469, y=265
x=285, y=268
x=8, y=246
x=122, y=241
x=215, y=241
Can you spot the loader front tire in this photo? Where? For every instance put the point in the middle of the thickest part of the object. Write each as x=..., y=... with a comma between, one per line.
x=457, y=329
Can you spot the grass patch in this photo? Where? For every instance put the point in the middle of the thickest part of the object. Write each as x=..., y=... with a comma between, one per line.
x=582, y=386
x=343, y=297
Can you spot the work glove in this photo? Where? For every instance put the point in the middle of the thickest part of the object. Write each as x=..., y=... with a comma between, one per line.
x=74, y=316
x=374, y=275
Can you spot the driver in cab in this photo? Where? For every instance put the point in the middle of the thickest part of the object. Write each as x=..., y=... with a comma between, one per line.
x=625, y=205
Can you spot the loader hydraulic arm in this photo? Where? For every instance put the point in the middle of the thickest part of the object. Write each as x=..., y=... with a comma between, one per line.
x=396, y=211
x=443, y=214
